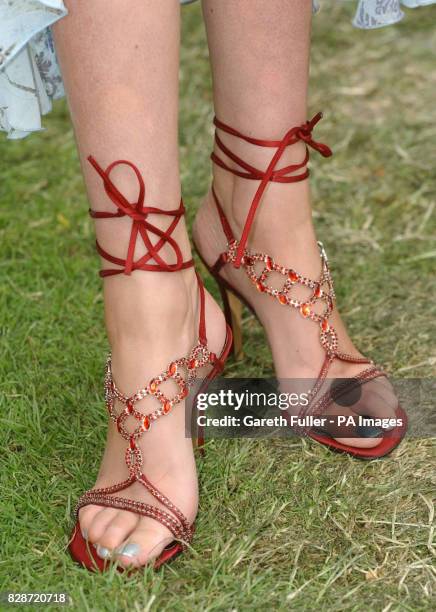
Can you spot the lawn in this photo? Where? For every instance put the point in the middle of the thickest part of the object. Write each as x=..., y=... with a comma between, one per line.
x=283, y=524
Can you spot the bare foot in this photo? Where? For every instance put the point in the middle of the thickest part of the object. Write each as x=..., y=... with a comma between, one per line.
x=284, y=230
x=153, y=320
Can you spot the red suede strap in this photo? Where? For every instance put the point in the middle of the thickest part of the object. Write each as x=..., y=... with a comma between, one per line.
x=138, y=212
x=271, y=174
x=202, y=323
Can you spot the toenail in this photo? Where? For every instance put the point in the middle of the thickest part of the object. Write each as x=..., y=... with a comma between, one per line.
x=84, y=534
x=369, y=431
x=129, y=550
x=102, y=552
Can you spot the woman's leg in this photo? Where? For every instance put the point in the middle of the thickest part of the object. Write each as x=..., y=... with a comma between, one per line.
x=260, y=60
x=121, y=73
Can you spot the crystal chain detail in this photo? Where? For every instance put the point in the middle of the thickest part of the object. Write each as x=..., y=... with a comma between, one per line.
x=182, y=371
x=322, y=290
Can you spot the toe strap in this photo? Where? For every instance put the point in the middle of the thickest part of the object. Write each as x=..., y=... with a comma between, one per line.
x=179, y=531
x=318, y=407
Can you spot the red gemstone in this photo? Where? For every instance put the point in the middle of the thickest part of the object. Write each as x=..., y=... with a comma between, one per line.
x=247, y=261
x=192, y=364
x=282, y=299
x=173, y=368
x=293, y=276
x=146, y=423
x=185, y=392
x=212, y=357
x=318, y=292
x=132, y=443
x=129, y=407
x=153, y=386
x=305, y=310
x=269, y=263
x=260, y=287
x=325, y=325
x=166, y=407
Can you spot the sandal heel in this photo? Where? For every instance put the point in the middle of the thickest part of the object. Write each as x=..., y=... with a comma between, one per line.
x=198, y=442
x=233, y=313
x=198, y=429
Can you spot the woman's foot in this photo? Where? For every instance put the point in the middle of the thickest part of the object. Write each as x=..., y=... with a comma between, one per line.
x=152, y=319
x=283, y=229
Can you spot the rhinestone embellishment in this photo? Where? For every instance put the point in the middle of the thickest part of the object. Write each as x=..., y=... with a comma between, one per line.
x=183, y=372
x=259, y=266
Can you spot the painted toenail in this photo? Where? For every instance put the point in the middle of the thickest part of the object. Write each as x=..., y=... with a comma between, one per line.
x=369, y=431
x=102, y=552
x=130, y=550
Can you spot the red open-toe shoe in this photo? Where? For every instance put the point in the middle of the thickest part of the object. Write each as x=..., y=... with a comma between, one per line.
x=201, y=364
x=259, y=266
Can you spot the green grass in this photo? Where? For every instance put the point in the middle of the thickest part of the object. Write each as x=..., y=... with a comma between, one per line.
x=283, y=524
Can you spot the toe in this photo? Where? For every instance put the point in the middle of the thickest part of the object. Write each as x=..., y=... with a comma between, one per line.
x=118, y=529
x=145, y=543
x=349, y=431
x=369, y=442
x=377, y=400
x=86, y=516
x=99, y=523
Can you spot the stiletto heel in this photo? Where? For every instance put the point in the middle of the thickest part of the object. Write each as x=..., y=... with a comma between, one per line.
x=218, y=367
x=183, y=372
x=198, y=438
x=317, y=307
x=233, y=312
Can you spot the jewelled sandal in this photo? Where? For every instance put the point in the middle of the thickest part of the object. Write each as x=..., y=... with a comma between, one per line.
x=259, y=266
x=131, y=423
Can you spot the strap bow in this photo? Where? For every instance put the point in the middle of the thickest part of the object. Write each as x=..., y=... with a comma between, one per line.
x=271, y=174
x=138, y=213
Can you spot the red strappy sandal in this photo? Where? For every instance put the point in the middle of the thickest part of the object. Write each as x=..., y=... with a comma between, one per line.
x=258, y=266
x=183, y=371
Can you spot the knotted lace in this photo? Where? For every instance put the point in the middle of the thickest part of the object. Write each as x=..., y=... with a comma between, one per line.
x=271, y=174
x=141, y=226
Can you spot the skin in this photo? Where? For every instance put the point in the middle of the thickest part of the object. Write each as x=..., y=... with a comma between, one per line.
x=253, y=42
x=120, y=69
x=121, y=76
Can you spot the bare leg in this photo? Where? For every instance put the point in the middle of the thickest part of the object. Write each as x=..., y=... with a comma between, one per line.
x=121, y=72
x=260, y=60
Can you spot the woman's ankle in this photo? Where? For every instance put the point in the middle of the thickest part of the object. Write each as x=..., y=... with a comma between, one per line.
x=147, y=307
x=283, y=227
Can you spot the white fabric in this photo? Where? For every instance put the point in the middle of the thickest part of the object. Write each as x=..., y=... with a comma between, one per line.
x=29, y=73
x=373, y=14
x=416, y=3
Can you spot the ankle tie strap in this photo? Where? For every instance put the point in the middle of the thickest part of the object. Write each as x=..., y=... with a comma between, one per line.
x=138, y=212
x=271, y=174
